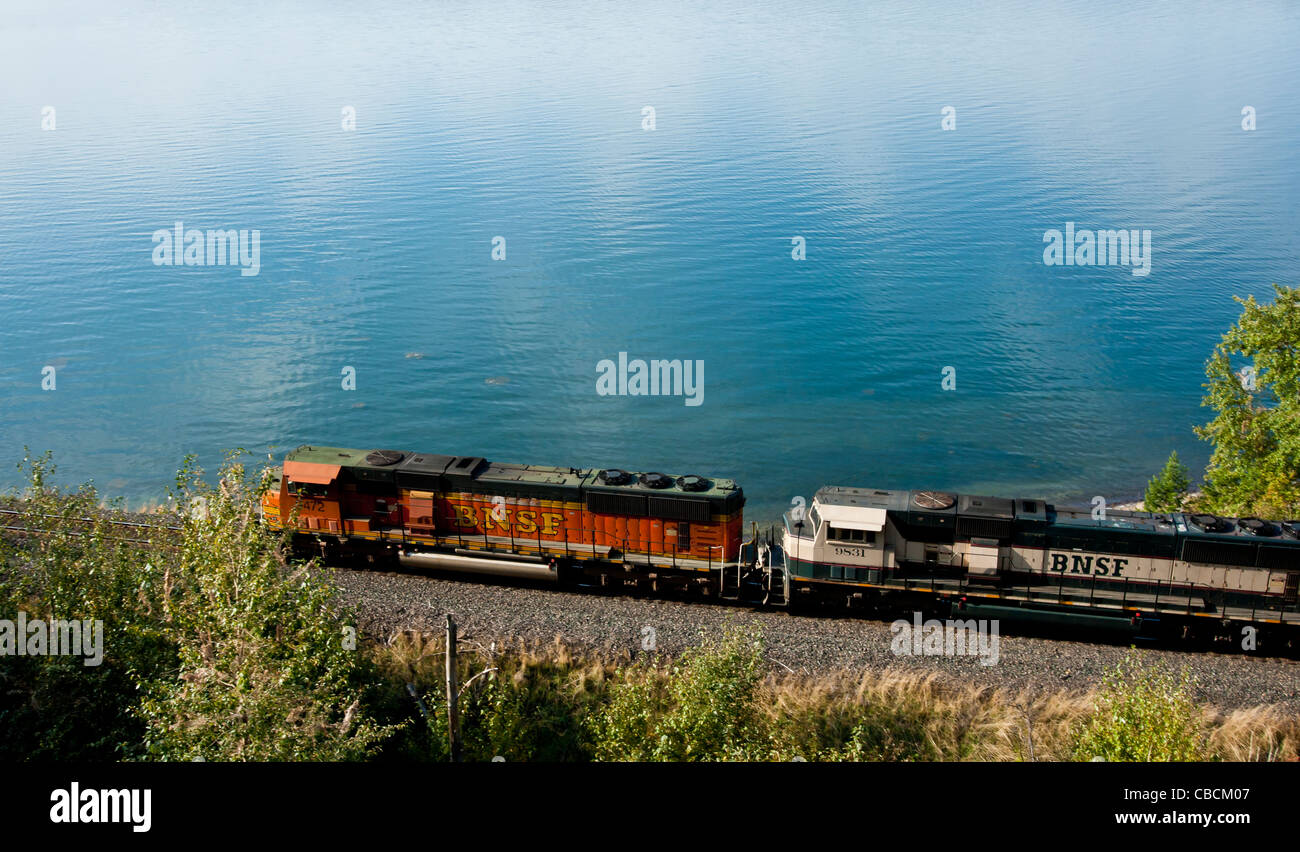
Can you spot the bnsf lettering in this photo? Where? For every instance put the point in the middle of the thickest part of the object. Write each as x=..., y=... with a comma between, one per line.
x=1076, y=563
x=524, y=521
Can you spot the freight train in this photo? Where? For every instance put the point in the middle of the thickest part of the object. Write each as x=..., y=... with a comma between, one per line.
x=1017, y=560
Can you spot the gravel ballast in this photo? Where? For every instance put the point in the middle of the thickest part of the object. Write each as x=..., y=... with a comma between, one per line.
x=808, y=644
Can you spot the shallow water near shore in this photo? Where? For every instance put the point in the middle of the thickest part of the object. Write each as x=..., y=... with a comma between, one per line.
x=924, y=247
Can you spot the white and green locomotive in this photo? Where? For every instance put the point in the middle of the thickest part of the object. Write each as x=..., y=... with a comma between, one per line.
x=1027, y=560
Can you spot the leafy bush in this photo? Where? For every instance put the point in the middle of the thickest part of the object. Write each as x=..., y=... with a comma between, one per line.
x=1143, y=715
x=213, y=646
x=57, y=707
x=266, y=671
x=705, y=709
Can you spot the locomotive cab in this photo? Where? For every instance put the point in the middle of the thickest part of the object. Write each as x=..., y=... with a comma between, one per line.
x=845, y=534
x=311, y=490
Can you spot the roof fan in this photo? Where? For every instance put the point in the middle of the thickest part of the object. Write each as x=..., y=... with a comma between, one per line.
x=1257, y=526
x=655, y=480
x=693, y=483
x=1208, y=523
x=934, y=499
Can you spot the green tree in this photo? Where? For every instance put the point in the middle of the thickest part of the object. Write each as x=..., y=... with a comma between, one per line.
x=1168, y=488
x=1256, y=428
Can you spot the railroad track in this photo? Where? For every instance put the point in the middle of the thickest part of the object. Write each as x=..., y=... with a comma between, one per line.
x=9, y=516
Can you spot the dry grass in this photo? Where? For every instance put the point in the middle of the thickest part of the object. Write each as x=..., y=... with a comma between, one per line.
x=957, y=722
x=416, y=657
x=1262, y=733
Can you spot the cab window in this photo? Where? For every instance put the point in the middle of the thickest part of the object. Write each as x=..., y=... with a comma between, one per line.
x=308, y=489
x=852, y=536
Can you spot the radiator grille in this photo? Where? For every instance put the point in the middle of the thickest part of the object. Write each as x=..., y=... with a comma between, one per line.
x=1218, y=552
x=616, y=504
x=675, y=509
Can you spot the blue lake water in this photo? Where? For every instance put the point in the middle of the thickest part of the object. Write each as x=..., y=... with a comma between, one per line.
x=924, y=247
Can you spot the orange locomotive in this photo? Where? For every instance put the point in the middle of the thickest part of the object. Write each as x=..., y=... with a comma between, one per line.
x=466, y=513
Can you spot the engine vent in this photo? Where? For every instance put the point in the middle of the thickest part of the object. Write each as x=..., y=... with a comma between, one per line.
x=1219, y=552
x=934, y=500
x=998, y=528
x=383, y=458
x=614, y=476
